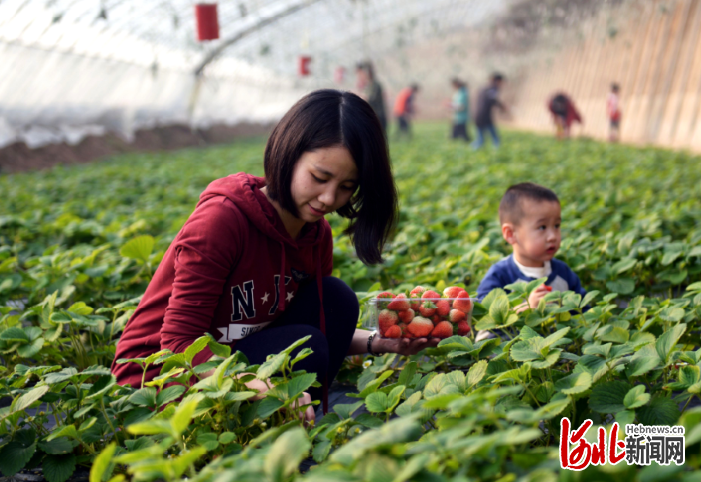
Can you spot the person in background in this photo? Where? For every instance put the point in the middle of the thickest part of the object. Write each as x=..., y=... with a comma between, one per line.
x=613, y=110
x=486, y=101
x=564, y=114
x=404, y=109
x=460, y=106
x=371, y=91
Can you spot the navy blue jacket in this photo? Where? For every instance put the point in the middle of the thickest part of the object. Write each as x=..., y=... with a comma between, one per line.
x=505, y=272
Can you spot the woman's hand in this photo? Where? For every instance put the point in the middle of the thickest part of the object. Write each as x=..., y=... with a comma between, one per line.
x=402, y=346
x=307, y=415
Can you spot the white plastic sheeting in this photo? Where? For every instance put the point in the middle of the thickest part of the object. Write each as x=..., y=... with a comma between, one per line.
x=75, y=67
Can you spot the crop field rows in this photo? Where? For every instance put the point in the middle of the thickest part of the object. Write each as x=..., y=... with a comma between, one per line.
x=78, y=246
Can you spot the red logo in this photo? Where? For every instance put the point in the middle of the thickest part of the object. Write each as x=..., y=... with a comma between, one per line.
x=585, y=453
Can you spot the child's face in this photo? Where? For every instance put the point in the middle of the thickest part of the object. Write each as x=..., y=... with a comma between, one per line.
x=536, y=238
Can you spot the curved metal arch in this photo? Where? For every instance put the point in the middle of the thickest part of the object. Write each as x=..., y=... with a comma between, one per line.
x=263, y=22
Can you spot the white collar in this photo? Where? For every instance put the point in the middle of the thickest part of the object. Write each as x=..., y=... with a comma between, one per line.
x=535, y=273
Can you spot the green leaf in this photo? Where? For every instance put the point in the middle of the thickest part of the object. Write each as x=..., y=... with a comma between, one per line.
x=183, y=414
x=144, y=397
x=197, y=346
x=218, y=349
x=588, y=298
x=370, y=421
x=616, y=334
x=15, y=334
x=407, y=374
x=499, y=310
x=376, y=402
x=623, y=265
x=30, y=397
x=139, y=248
x=669, y=257
x=645, y=360
x=102, y=386
x=169, y=394
x=636, y=397
x=30, y=349
x=17, y=453
x=623, y=286
x=608, y=397
x=286, y=453
x=573, y=384
x=98, y=471
x=58, y=446
x=671, y=314
x=268, y=406
x=293, y=388
x=668, y=340
x=58, y=468
x=208, y=440
x=477, y=372
x=272, y=366
x=659, y=411
x=227, y=438
x=65, y=431
x=345, y=410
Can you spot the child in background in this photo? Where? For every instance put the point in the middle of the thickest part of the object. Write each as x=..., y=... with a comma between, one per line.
x=530, y=222
x=613, y=110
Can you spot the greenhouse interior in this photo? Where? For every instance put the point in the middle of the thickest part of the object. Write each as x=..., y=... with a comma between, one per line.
x=482, y=262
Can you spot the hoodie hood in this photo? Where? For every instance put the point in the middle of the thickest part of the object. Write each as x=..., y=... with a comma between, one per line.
x=244, y=190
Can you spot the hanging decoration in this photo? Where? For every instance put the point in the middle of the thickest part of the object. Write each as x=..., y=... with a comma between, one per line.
x=304, y=62
x=207, y=21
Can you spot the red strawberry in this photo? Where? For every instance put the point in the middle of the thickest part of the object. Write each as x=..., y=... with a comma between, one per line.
x=393, y=332
x=436, y=319
x=463, y=328
x=444, y=329
x=443, y=307
x=415, y=294
x=399, y=303
x=549, y=288
x=452, y=291
x=386, y=319
x=427, y=309
x=402, y=326
x=420, y=327
x=386, y=295
x=418, y=291
x=406, y=315
x=430, y=294
x=463, y=303
x=456, y=316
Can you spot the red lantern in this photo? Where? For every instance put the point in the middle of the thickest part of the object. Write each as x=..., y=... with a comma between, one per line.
x=304, y=61
x=207, y=22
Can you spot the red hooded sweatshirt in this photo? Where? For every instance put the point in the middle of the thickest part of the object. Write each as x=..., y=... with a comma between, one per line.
x=223, y=275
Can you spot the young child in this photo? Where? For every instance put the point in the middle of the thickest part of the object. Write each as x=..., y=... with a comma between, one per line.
x=530, y=222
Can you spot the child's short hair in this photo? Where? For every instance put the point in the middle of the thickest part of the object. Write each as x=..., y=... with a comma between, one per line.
x=510, y=210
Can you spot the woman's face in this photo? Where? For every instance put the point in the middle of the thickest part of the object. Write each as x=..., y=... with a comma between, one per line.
x=323, y=181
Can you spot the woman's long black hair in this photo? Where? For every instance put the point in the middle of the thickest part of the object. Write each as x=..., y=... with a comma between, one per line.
x=328, y=118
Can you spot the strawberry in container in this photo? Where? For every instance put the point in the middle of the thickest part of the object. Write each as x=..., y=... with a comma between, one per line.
x=423, y=313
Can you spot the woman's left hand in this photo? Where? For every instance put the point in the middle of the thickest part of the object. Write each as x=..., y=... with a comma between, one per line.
x=402, y=346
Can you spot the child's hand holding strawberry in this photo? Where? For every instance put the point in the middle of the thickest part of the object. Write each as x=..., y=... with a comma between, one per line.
x=534, y=298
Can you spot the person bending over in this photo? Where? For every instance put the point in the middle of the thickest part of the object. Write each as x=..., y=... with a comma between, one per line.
x=252, y=265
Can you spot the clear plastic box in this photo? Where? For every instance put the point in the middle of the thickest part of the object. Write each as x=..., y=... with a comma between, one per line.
x=420, y=308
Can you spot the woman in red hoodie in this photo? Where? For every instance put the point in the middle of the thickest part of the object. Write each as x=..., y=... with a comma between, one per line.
x=252, y=265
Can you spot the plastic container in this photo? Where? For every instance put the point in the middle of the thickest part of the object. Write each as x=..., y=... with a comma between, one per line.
x=431, y=312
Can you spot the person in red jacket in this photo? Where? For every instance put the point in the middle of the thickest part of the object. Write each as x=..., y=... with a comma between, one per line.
x=252, y=265
x=564, y=114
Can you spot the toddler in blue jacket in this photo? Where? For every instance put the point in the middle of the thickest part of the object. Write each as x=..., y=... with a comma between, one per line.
x=530, y=222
